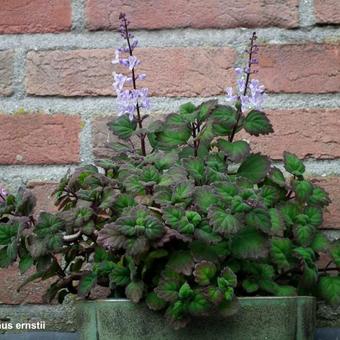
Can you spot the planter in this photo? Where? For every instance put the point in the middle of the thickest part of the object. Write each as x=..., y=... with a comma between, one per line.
x=260, y=318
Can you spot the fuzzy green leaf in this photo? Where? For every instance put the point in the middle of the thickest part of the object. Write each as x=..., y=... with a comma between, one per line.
x=304, y=234
x=276, y=175
x=259, y=218
x=134, y=291
x=236, y=151
x=154, y=302
x=181, y=261
x=254, y=168
x=277, y=222
x=292, y=164
x=329, y=288
x=280, y=252
x=123, y=127
x=7, y=232
x=87, y=283
x=257, y=123
x=204, y=272
x=196, y=168
x=223, y=222
x=319, y=197
x=303, y=190
x=199, y=305
x=48, y=224
x=204, y=198
x=249, y=243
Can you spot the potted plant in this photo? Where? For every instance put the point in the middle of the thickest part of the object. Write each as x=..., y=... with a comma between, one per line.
x=189, y=223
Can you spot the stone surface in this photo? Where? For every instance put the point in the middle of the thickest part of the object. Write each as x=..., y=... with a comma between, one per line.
x=170, y=71
x=327, y=11
x=301, y=68
x=6, y=72
x=35, y=16
x=309, y=133
x=39, y=139
x=157, y=14
x=259, y=318
x=56, y=317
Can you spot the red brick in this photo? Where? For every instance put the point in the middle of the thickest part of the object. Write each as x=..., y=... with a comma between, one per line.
x=6, y=72
x=39, y=139
x=157, y=14
x=35, y=16
x=43, y=192
x=305, y=68
x=332, y=185
x=309, y=133
x=170, y=71
x=327, y=11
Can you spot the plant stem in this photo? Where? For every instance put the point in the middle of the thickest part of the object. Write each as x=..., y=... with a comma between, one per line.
x=239, y=112
x=194, y=137
x=139, y=119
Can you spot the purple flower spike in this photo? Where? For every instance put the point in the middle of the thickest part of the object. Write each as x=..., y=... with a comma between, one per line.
x=3, y=195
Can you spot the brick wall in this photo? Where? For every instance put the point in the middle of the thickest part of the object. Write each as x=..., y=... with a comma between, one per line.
x=56, y=96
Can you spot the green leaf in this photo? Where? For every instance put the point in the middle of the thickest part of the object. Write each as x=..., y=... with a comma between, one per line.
x=123, y=127
x=196, y=168
x=120, y=275
x=250, y=286
x=87, y=283
x=181, y=261
x=320, y=242
x=303, y=190
x=205, y=233
x=270, y=195
x=48, y=224
x=224, y=118
x=304, y=234
x=204, y=198
x=309, y=277
x=173, y=215
x=167, y=290
x=257, y=123
x=134, y=291
x=185, y=291
x=276, y=175
x=280, y=252
x=254, y=168
x=215, y=295
x=292, y=164
x=259, y=218
x=223, y=222
x=319, y=197
x=199, y=305
x=230, y=277
x=249, y=243
x=204, y=272
x=182, y=192
x=25, y=263
x=335, y=252
x=154, y=302
x=236, y=151
x=315, y=216
x=277, y=222
x=329, y=288
x=173, y=136
x=187, y=108
x=7, y=232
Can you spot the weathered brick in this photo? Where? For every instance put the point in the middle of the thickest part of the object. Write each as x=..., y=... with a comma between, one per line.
x=170, y=71
x=43, y=193
x=35, y=16
x=304, y=68
x=39, y=139
x=327, y=11
x=332, y=185
x=157, y=14
x=306, y=132
x=6, y=73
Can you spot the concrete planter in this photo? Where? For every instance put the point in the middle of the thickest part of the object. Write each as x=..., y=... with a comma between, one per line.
x=260, y=318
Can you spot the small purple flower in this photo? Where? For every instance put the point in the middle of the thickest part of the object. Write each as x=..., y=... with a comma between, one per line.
x=116, y=59
x=3, y=195
x=119, y=81
x=231, y=98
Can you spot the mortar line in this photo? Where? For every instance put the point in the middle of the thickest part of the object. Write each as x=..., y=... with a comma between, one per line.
x=306, y=13
x=79, y=38
x=78, y=15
